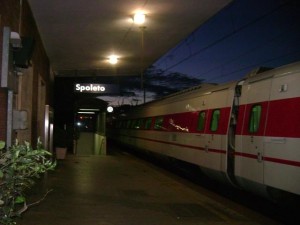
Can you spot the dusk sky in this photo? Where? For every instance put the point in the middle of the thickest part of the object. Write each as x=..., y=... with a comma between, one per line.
x=243, y=36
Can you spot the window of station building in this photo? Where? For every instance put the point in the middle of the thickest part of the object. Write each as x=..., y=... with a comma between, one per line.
x=158, y=123
x=255, y=115
x=201, y=121
x=214, y=123
x=148, y=123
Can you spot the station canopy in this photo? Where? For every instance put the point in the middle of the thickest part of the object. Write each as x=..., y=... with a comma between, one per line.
x=79, y=36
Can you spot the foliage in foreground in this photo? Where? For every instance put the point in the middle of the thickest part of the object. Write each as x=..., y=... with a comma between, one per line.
x=20, y=165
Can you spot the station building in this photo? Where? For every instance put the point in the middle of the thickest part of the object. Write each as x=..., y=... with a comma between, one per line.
x=26, y=91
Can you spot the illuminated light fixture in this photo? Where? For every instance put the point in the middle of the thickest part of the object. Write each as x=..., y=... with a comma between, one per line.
x=113, y=59
x=86, y=112
x=90, y=110
x=110, y=109
x=139, y=18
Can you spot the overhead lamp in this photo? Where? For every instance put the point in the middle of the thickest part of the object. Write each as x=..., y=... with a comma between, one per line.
x=139, y=18
x=113, y=59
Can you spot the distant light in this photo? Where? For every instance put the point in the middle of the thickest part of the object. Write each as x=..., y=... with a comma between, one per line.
x=113, y=59
x=110, y=109
x=139, y=18
x=78, y=124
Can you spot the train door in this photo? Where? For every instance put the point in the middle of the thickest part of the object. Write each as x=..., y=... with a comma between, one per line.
x=249, y=153
x=232, y=133
x=220, y=102
x=202, y=138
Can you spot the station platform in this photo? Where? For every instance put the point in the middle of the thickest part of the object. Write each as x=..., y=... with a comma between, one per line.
x=122, y=189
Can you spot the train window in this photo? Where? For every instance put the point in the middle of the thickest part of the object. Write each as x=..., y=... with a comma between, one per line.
x=201, y=121
x=128, y=123
x=158, y=123
x=148, y=123
x=133, y=124
x=140, y=124
x=254, y=118
x=215, y=120
x=137, y=124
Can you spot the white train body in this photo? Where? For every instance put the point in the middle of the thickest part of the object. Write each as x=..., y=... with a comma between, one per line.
x=246, y=133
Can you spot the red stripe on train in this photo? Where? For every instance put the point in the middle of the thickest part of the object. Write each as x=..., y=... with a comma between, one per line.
x=269, y=159
x=180, y=145
x=280, y=118
x=282, y=161
x=242, y=154
x=284, y=118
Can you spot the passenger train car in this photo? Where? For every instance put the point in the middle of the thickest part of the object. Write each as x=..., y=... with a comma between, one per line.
x=246, y=133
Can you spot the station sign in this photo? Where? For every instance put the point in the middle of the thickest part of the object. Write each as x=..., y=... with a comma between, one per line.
x=96, y=88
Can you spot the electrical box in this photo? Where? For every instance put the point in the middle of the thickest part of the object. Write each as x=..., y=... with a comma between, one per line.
x=20, y=120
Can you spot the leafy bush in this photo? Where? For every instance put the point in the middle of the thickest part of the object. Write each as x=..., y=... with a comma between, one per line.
x=20, y=165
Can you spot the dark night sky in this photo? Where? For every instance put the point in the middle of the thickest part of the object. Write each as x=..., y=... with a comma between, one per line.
x=243, y=36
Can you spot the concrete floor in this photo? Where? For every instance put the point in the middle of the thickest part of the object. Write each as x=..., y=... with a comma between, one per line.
x=120, y=189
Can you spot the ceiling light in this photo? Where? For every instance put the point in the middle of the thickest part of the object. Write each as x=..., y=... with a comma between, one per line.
x=113, y=59
x=139, y=18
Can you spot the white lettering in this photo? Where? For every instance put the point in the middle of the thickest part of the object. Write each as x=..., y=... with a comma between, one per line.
x=77, y=87
x=89, y=88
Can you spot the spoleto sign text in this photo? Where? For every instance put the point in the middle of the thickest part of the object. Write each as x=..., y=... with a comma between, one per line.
x=90, y=88
x=96, y=88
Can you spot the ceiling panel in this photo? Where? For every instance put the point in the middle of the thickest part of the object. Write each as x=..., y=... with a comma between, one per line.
x=79, y=35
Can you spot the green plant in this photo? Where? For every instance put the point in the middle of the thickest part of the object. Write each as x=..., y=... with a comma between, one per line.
x=20, y=165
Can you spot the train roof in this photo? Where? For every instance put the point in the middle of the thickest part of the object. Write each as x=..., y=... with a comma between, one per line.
x=207, y=88
x=266, y=73
x=255, y=75
x=202, y=89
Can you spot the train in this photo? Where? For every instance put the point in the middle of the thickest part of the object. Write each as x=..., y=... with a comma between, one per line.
x=244, y=133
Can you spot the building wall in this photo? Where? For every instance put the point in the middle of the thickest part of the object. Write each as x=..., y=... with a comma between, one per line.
x=3, y=113
x=17, y=15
